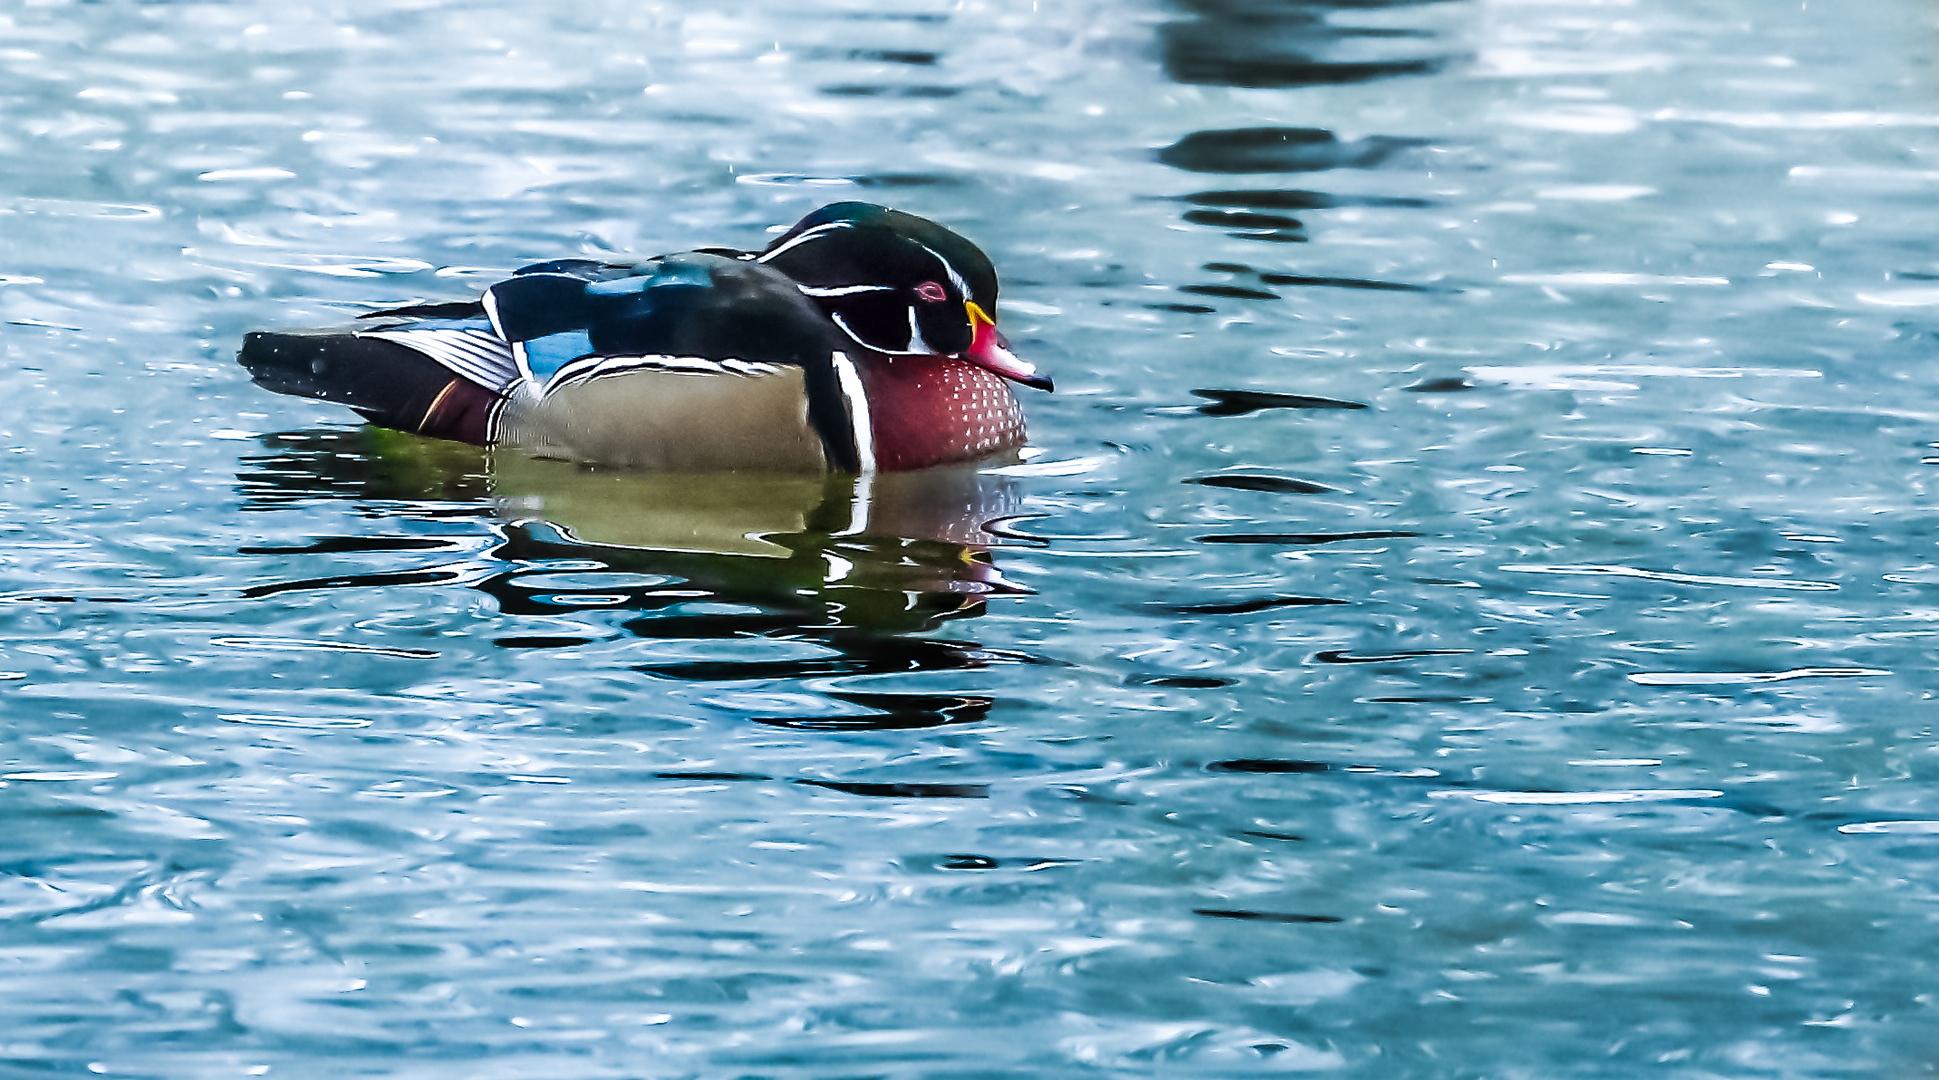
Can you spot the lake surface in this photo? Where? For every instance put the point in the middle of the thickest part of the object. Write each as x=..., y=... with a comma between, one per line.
x=1468, y=611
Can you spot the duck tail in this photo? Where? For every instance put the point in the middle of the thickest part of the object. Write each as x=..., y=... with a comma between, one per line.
x=391, y=384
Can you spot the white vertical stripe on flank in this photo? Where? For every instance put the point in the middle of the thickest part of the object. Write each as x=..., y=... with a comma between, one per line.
x=490, y=304
x=858, y=507
x=858, y=410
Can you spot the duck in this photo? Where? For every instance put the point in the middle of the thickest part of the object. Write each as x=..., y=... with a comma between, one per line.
x=862, y=339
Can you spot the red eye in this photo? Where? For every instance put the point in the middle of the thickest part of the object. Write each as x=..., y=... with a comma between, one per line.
x=932, y=292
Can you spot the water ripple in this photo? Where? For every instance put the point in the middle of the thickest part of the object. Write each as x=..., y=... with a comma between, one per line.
x=1677, y=578
x=1746, y=678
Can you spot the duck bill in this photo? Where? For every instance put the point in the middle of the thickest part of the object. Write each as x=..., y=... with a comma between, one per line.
x=990, y=351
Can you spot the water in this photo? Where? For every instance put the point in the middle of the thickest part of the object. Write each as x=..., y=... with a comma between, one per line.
x=1561, y=711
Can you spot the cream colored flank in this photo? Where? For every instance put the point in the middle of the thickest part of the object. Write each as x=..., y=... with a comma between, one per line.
x=671, y=420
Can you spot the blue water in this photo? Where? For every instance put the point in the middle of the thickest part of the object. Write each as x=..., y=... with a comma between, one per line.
x=1562, y=709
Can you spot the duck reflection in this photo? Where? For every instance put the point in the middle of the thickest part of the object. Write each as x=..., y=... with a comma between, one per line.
x=863, y=571
x=1287, y=43
x=1284, y=44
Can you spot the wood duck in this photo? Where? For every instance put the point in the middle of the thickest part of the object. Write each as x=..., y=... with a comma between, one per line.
x=861, y=339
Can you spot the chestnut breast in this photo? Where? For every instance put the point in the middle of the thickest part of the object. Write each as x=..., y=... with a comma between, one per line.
x=931, y=410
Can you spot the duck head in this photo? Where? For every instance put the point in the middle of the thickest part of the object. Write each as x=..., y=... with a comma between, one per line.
x=900, y=285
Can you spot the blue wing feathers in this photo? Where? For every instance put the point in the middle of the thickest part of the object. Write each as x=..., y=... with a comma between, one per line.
x=443, y=368
x=544, y=356
x=529, y=306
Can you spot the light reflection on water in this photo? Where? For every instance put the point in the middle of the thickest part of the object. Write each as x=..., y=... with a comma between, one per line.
x=1467, y=614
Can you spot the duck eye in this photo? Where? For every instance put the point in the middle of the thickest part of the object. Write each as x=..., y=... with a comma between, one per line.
x=932, y=292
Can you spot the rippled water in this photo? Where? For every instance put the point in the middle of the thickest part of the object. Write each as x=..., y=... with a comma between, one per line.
x=1468, y=613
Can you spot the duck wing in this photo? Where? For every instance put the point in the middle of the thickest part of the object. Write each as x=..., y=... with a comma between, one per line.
x=689, y=360
x=684, y=359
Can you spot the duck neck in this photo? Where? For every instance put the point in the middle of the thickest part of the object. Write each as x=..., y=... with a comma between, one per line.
x=932, y=410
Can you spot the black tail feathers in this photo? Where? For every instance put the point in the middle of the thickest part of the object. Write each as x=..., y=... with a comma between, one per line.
x=391, y=385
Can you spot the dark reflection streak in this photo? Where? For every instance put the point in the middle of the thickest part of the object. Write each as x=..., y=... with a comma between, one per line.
x=1229, y=292
x=355, y=581
x=1241, y=402
x=1341, y=656
x=1283, y=73
x=1350, y=283
x=1241, y=219
x=912, y=57
x=1273, y=766
x=904, y=180
x=1276, y=485
x=1264, y=916
x=1277, y=149
x=893, y=91
x=910, y=721
x=1296, y=766
x=899, y=712
x=876, y=790
x=1282, y=43
x=946, y=703
x=860, y=655
x=1300, y=539
x=1247, y=607
x=1180, y=682
x=892, y=16
x=341, y=545
x=905, y=791
x=1273, y=277
x=986, y=862
x=1386, y=32
x=1272, y=835
x=536, y=641
x=966, y=862
x=1297, y=200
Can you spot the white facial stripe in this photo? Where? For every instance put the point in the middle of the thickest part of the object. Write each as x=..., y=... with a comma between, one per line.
x=843, y=290
x=857, y=338
x=812, y=234
x=916, y=344
x=858, y=410
x=853, y=336
x=954, y=277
